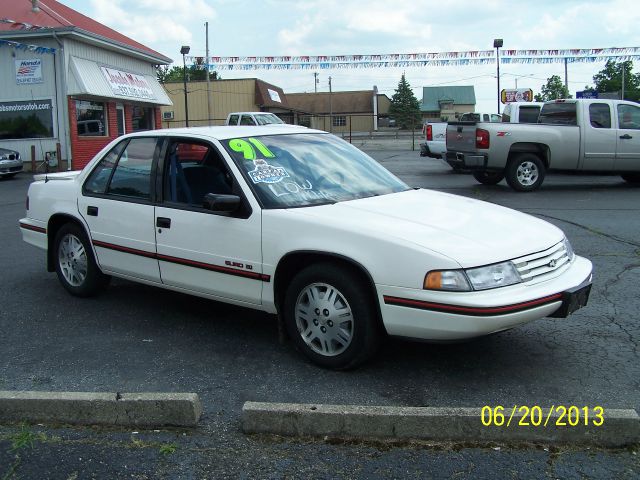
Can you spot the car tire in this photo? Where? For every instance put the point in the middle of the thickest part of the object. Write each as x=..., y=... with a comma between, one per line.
x=330, y=316
x=75, y=264
x=631, y=177
x=488, y=177
x=525, y=172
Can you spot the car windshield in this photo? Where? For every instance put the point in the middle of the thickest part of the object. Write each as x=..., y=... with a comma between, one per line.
x=300, y=170
x=268, y=119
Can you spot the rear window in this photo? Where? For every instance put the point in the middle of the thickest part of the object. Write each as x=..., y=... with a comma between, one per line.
x=558, y=114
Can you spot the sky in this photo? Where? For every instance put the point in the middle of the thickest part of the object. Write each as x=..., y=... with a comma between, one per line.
x=372, y=27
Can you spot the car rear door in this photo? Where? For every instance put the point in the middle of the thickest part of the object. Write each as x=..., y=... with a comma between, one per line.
x=199, y=250
x=599, y=137
x=628, y=139
x=117, y=203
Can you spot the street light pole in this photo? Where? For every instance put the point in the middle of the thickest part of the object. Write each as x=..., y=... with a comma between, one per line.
x=185, y=50
x=497, y=43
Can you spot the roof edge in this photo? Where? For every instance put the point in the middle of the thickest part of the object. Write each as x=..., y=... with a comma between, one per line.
x=79, y=32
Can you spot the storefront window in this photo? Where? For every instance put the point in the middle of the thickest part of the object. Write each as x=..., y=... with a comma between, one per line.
x=91, y=119
x=29, y=119
x=143, y=118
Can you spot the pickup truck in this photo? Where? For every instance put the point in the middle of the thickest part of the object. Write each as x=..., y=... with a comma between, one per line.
x=253, y=118
x=435, y=133
x=591, y=136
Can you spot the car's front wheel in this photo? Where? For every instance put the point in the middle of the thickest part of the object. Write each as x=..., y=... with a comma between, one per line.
x=330, y=316
x=75, y=264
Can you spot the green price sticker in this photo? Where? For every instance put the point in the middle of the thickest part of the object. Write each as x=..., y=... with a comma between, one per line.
x=247, y=148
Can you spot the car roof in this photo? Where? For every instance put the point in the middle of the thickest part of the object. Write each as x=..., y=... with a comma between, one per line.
x=226, y=132
x=252, y=113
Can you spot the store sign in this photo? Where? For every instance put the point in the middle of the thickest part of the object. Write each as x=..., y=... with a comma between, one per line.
x=516, y=95
x=275, y=96
x=128, y=84
x=29, y=71
x=587, y=94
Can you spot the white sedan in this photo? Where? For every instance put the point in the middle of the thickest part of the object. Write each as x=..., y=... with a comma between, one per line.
x=306, y=226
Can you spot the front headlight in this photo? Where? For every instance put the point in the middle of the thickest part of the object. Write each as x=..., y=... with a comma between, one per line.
x=570, y=253
x=480, y=278
x=493, y=276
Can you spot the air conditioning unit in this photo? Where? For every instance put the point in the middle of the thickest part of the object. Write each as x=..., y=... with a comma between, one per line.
x=167, y=115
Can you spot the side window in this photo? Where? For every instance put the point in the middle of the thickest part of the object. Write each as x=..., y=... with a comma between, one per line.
x=195, y=169
x=629, y=117
x=233, y=120
x=99, y=177
x=132, y=176
x=485, y=117
x=600, y=115
x=495, y=118
x=529, y=114
x=246, y=120
x=506, y=113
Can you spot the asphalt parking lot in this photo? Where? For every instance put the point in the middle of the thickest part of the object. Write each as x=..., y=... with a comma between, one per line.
x=135, y=338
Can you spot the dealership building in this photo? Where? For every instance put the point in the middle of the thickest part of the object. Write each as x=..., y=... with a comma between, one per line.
x=69, y=85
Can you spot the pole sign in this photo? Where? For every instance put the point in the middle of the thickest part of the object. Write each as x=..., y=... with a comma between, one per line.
x=587, y=94
x=516, y=95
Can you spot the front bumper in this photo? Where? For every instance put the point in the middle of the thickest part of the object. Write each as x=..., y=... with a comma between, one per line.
x=10, y=167
x=431, y=315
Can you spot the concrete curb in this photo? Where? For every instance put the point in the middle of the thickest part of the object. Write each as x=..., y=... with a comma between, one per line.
x=87, y=408
x=620, y=427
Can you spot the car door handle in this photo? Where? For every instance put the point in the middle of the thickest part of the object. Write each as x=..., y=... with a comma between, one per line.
x=626, y=136
x=92, y=211
x=163, y=222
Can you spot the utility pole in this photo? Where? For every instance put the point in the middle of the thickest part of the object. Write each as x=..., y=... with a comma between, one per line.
x=622, y=96
x=206, y=26
x=330, y=108
x=315, y=81
x=566, y=75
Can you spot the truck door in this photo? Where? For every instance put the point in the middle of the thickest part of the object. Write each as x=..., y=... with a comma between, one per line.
x=628, y=139
x=599, y=138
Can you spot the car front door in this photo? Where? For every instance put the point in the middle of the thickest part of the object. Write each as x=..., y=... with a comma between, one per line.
x=217, y=254
x=117, y=205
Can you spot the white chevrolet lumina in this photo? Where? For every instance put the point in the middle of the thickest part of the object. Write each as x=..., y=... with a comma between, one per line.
x=306, y=226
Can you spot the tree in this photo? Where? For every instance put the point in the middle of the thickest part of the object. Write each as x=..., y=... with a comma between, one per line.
x=553, y=90
x=404, y=105
x=195, y=73
x=609, y=79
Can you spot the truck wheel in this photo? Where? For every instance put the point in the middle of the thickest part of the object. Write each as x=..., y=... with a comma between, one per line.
x=330, y=316
x=75, y=265
x=525, y=172
x=488, y=177
x=631, y=177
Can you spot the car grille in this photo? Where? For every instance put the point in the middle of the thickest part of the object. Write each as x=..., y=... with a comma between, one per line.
x=541, y=266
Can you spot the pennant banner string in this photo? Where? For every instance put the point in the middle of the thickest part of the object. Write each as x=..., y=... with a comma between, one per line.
x=473, y=57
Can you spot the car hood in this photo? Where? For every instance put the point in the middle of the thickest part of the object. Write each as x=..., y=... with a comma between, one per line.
x=471, y=232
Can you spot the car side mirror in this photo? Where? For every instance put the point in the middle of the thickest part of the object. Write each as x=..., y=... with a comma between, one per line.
x=217, y=202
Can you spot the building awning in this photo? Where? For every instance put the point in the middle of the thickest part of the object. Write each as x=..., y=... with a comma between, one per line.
x=89, y=78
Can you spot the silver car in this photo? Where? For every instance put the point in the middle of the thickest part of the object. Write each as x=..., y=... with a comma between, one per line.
x=10, y=163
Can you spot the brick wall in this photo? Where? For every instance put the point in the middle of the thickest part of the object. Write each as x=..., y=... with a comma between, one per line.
x=158, y=115
x=85, y=148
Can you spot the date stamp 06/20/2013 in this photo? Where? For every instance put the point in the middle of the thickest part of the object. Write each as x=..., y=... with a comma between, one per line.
x=536, y=416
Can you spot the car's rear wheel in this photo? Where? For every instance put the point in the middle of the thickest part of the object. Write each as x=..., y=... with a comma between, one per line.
x=330, y=316
x=75, y=264
x=487, y=177
x=631, y=177
x=525, y=172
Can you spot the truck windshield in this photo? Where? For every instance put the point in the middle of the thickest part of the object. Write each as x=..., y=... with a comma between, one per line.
x=558, y=114
x=300, y=170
